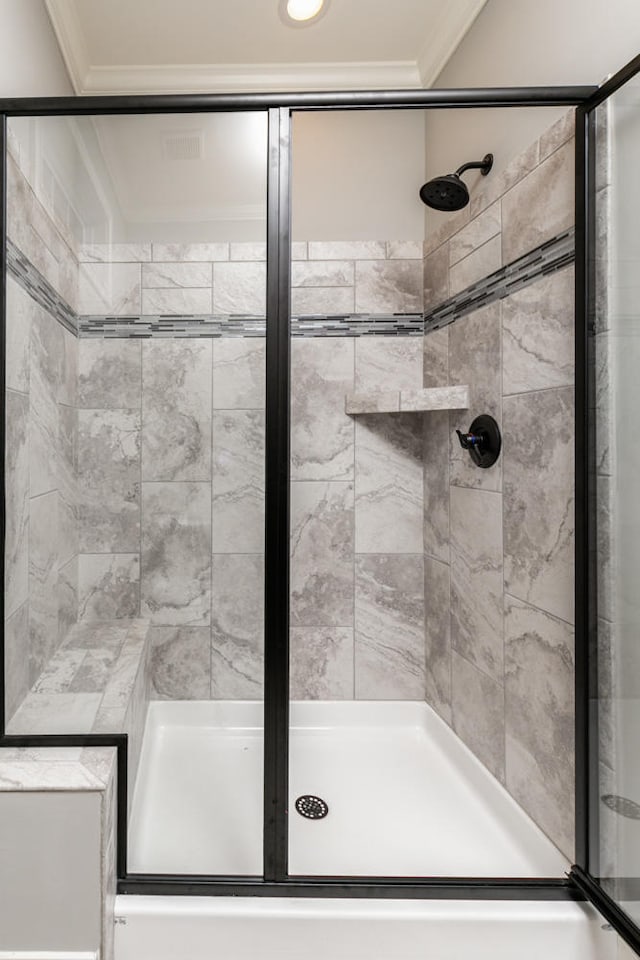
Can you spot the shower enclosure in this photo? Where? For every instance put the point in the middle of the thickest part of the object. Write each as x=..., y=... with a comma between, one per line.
x=242, y=543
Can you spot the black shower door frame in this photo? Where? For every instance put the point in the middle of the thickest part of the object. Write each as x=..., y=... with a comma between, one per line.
x=276, y=880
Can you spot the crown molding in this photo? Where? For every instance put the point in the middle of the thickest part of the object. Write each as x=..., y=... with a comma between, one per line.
x=66, y=25
x=249, y=77
x=448, y=31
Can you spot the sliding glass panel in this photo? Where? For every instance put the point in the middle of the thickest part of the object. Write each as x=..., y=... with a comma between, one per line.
x=615, y=857
x=431, y=599
x=135, y=453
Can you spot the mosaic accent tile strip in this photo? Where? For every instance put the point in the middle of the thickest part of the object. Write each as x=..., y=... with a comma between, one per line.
x=32, y=281
x=549, y=257
x=192, y=325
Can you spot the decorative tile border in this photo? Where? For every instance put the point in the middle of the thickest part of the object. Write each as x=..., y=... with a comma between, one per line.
x=32, y=281
x=550, y=256
x=191, y=325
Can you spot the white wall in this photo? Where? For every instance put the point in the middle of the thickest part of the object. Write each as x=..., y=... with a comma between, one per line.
x=356, y=175
x=31, y=64
x=526, y=43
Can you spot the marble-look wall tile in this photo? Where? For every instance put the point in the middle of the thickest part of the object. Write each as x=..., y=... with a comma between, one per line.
x=67, y=597
x=404, y=249
x=238, y=481
x=16, y=552
x=436, y=278
x=109, y=481
x=180, y=663
x=539, y=499
x=502, y=180
x=476, y=578
x=238, y=374
x=558, y=133
x=299, y=250
x=16, y=659
x=176, y=301
x=477, y=704
x=237, y=627
x=322, y=662
x=109, y=374
x=114, y=252
x=347, y=250
x=441, y=226
x=322, y=539
x=46, y=351
x=176, y=409
x=389, y=286
x=392, y=362
x=609, y=551
x=175, y=567
x=604, y=349
x=322, y=435
x=435, y=358
x=389, y=628
x=541, y=206
x=19, y=310
x=477, y=232
x=325, y=301
x=108, y=586
x=435, y=459
x=389, y=483
x=68, y=376
x=318, y=273
x=437, y=637
x=475, y=359
x=484, y=261
x=112, y=288
x=239, y=288
x=539, y=717
x=67, y=484
x=176, y=275
x=537, y=334
x=190, y=252
x=248, y=251
x=43, y=582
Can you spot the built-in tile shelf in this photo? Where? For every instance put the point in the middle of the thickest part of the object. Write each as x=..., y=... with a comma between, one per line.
x=408, y=401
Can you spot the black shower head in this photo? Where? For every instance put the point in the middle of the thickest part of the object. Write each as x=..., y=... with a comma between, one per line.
x=450, y=192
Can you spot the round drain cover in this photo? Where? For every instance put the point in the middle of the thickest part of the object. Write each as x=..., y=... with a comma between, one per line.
x=622, y=805
x=313, y=808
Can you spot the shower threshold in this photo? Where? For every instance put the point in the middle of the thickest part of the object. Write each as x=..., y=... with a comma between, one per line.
x=405, y=796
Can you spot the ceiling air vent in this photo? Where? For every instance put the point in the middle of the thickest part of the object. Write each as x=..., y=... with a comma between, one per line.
x=187, y=145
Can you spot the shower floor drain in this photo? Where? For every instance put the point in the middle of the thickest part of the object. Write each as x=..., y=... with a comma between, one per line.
x=622, y=805
x=313, y=808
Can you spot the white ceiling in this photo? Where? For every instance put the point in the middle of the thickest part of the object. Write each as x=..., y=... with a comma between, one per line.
x=180, y=46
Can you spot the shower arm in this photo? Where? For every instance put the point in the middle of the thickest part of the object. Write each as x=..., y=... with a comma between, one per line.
x=483, y=165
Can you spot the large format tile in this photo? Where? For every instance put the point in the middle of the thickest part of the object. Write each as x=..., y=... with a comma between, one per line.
x=389, y=483
x=322, y=435
x=109, y=374
x=539, y=708
x=108, y=586
x=321, y=554
x=176, y=409
x=68, y=375
x=347, y=250
x=435, y=358
x=541, y=206
x=484, y=261
x=477, y=704
x=538, y=334
x=318, y=273
x=19, y=310
x=67, y=483
x=437, y=637
x=112, y=288
x=190, y=252
x=476, y=578
x=180, y=663
x=475, y=359
x=16, y=659
x=176, y=301
x=239, y=373
x=239, y=288
x=175, y=567
x=67, y=597
x=46, y=350
x=436, y=278
x=322, y=663
x=16, y=548
x=539, y=499
x=325, y=301
x=237, y=627
x=475, y=234
x=395, y=362
x=237, y=485
x=389, y=286
x=389, y=628
x=435, y=458
x=43, y=582
x=109, y=481
x=170, y=275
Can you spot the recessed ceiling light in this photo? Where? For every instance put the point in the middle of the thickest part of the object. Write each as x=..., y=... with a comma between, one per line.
x=304, y=9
